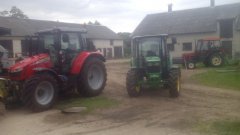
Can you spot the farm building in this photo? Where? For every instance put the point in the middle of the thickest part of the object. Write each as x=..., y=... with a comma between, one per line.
x=190, y=25
x=14, y=30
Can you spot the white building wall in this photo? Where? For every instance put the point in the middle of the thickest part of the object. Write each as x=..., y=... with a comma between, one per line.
x=17, y=48
x=118, y=43
x=101, y=44
x=236, y=40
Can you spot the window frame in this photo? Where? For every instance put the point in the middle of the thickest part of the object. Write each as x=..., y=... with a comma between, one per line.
x=184, y=48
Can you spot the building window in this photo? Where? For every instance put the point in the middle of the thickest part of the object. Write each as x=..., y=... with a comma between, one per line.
x=170, y=47
x=187, y=46
x=111, y=42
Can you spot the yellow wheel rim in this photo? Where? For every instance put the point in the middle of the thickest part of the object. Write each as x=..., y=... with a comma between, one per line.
x=178, y=84
x=137, y=88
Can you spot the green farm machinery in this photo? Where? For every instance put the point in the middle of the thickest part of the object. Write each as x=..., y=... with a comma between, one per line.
x=151, y=66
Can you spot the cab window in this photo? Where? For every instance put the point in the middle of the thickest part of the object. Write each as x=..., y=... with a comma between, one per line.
x=70, y=41
x=149, y=47
x=48, y=41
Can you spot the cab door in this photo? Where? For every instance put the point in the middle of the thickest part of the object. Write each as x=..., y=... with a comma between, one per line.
x=70, y=47
x=202, y=50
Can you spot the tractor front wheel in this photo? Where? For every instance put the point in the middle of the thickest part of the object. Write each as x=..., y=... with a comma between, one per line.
x=92, y=79
x=133, y=88
x=40, y=92
x=174, y=83
x=191, y=65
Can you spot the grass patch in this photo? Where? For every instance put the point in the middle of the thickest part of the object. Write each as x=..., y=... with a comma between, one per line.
x=228, y=80
x=92, y=103
x=220, y=128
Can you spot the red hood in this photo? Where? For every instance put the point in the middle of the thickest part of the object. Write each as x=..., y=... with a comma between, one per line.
x=188, y=54
x=27, y=61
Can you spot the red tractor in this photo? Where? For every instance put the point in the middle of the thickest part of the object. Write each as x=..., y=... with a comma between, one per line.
x=61, y=62
x=208, y=51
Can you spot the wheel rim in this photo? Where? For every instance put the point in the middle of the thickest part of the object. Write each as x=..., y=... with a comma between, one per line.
x=44, y=93
x=216, y=60
x=178, y=84
x=191, y=65
x=95, y=77
x=137, y=89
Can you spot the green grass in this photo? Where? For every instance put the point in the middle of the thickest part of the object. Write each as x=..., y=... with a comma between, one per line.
x=91, y=104
x=227, y=80
x=219, y=128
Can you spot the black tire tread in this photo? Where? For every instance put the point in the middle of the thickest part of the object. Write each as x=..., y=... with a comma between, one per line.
x=131, y=82
x=82, y=84
x=28, y=92
x=173, y=76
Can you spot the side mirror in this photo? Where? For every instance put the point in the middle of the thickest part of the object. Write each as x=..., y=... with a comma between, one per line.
x=65, y=38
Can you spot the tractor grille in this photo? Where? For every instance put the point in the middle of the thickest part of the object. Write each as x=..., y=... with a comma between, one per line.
x=153, y=69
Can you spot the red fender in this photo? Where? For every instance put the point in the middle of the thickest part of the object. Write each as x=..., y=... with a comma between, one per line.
x=79, y=61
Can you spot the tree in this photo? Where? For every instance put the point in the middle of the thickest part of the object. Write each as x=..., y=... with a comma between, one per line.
x=126, y=42
x=14, y=12
x=89, y=23
x=95, y=23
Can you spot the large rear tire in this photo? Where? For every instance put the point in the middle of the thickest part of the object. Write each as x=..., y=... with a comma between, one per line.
x=40, y=92
x=92, y=79
x=174, y=83
x=133, y=87
x=216, y=60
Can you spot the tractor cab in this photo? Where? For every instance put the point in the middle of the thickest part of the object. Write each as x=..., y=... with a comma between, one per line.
x=204, y=46
x=151, y=66
x=62, y=45
x=149, y=54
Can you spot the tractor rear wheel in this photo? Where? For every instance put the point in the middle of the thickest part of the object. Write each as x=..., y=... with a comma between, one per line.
x=133, y=87
x=174, y=82
x=216, y=60
x=40, y=92
x=92, y=79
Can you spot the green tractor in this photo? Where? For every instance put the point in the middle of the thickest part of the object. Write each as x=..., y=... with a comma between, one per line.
x=151, y=66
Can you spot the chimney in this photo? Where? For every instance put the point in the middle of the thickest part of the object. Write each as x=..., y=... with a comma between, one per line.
x=169, y=7
x=212, y=3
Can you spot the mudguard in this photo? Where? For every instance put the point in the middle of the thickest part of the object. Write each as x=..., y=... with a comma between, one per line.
x=79, y=61
x=40, y=70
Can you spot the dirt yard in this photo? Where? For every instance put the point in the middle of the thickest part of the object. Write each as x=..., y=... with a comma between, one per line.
x=153, y=113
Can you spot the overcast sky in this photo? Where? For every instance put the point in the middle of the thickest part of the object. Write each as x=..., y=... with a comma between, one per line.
x=118, y=15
